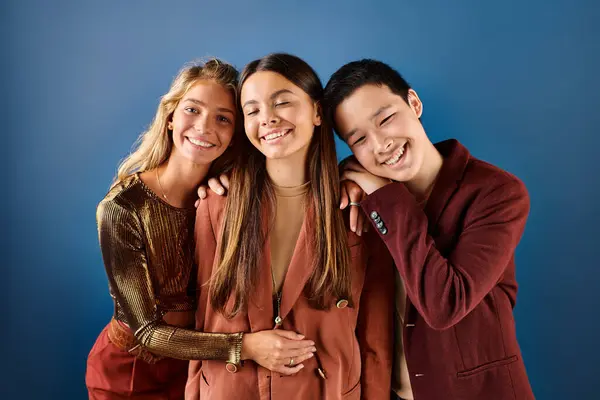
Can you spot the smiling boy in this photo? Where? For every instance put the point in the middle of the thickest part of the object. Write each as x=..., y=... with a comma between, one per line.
x=452, y=223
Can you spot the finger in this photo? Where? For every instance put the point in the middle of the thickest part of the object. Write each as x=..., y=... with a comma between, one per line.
x=351, y=175
x=360, y=222
x=289, y=371
x=296, y=354
x=353, y=218
x=215, y=186
x=344, y=197
x=303, y=357
x=288, y=334
x=292, y=345
x=202, y=192
x=224, y=181
x=366, y=225
x=355, y=193
x=197, y=203
x=287, y=344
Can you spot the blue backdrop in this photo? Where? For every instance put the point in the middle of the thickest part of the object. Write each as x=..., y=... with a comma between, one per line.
x=516, y=81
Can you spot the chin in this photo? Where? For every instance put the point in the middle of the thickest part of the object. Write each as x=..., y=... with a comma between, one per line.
x=405, y=176
x=281, y=154
x=203, y=160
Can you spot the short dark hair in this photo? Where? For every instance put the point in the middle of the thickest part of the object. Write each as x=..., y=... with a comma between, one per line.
x=355, y=75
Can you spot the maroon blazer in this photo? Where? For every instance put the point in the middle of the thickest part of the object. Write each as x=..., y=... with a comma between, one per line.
x=456, y=258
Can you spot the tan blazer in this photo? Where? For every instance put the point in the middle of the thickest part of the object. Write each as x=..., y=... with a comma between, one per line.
x=354, y=344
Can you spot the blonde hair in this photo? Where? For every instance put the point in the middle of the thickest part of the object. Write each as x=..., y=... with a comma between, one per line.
x=153, y=146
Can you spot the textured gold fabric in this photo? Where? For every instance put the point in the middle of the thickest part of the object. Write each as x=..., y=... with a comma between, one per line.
x=148, y=251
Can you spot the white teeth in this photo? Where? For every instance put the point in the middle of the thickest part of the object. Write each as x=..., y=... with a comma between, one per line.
x=200, y=143
x=272, y=136
x=394, y=159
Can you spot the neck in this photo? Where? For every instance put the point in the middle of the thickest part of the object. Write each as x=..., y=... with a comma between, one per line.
x=420, y=186
x=180, y=178
x=289, y=171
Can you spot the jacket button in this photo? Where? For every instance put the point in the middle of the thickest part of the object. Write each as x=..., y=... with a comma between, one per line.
x=383, y=231
x=379, y=224
x=231, y=367
x=343, y=303
x=374, y=214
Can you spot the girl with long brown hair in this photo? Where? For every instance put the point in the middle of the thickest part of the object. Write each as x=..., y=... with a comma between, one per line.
x=284, y=259
x=146, y=225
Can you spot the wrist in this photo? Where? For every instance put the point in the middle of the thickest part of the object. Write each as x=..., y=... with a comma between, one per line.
x=245, y=353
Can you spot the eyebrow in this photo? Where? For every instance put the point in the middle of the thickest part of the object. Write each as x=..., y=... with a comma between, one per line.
x=274, y=95
x=201, y=103
x=377, y=113
x=349, y=134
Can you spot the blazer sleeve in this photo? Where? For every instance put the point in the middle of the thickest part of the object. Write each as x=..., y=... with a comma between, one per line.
x=445, y=289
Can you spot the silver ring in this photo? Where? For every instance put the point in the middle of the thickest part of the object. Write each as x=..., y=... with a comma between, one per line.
x=354, y=204
x=291, y=364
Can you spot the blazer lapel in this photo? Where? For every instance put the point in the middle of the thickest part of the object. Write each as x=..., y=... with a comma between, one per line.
x=260, y=304
x=456, y=158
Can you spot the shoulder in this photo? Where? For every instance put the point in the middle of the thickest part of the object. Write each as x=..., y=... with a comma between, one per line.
x=211, y=209
x=492, y=179
x=493, y=191
x=121, y=201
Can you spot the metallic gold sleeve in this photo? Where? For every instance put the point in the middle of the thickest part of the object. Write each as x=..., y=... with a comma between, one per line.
x=123, y=236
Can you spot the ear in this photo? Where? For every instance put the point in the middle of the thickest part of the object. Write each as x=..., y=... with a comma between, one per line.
x=317, y=121
x=415, y=103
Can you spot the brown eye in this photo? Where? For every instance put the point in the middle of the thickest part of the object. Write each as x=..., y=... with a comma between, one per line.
x=222, y=118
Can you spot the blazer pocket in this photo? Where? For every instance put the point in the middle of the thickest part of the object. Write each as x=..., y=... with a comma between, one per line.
x=484, y=367
x=353, y=393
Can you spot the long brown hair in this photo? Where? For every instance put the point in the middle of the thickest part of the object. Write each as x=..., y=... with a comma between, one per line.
x=243, y=235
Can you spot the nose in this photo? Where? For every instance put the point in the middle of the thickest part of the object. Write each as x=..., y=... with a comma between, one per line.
x=383, y=144
x=202, y=124
x=269, y=117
